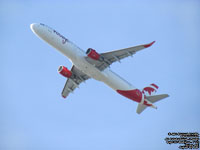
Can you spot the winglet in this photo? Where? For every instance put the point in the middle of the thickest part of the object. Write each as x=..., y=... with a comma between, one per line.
x=148, y=45
x=64, y=96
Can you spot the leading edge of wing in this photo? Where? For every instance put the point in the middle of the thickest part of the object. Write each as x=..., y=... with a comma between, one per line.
x=117, y=55
x=140, y=47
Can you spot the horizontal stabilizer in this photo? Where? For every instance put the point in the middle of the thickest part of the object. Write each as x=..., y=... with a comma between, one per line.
x=141, y=108
x=152, y=99
x=156, y=98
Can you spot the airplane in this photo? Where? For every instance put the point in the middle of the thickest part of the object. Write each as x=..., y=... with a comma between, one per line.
x=91, y=64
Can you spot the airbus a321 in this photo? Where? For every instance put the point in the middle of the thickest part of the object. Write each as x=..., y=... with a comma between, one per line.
x=91, y=64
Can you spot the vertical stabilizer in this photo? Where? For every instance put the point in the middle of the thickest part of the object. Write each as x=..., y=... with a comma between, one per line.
x=150, y=90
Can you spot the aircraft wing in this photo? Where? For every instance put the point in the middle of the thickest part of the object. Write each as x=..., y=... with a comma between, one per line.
x=116, y=55
x=73, y=82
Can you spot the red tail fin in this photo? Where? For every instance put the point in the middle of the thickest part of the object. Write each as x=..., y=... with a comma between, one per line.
x=150, y=90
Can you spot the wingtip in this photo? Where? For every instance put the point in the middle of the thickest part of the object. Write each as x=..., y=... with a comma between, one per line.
x=64, y=96
x=153, y=106
x=148, y=45
x=138, y=112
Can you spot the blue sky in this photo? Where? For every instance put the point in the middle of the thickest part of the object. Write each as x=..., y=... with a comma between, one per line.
x=34, y=116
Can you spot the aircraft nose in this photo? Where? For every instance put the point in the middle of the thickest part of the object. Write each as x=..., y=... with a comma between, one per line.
x=34, y=27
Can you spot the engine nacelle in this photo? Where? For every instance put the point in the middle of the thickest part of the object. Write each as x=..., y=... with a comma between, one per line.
x=64, y=71
x=94, y=55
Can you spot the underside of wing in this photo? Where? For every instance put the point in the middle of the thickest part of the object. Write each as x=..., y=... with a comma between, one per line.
x=73, y=82
x=110, y=57
x=117, y=55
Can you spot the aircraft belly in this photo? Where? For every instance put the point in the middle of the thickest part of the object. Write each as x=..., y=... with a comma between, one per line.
x=116, y=82
x=107, y=76
x=88, y=69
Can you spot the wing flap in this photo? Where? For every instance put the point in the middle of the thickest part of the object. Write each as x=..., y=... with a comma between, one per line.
x=68, y=88
x=73, y=82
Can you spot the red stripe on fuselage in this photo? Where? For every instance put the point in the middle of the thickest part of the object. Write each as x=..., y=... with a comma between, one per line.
x=135, y=95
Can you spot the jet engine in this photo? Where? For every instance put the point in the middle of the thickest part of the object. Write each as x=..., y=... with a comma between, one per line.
x=91, y=53
x=64, y=71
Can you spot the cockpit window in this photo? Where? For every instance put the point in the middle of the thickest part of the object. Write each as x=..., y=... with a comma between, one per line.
x=49, y=28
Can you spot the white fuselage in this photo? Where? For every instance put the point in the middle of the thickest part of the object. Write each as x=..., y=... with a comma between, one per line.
x=77, y=57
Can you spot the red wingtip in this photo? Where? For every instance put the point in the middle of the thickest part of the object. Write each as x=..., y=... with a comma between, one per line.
x=63, y=96
x=148, y=45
